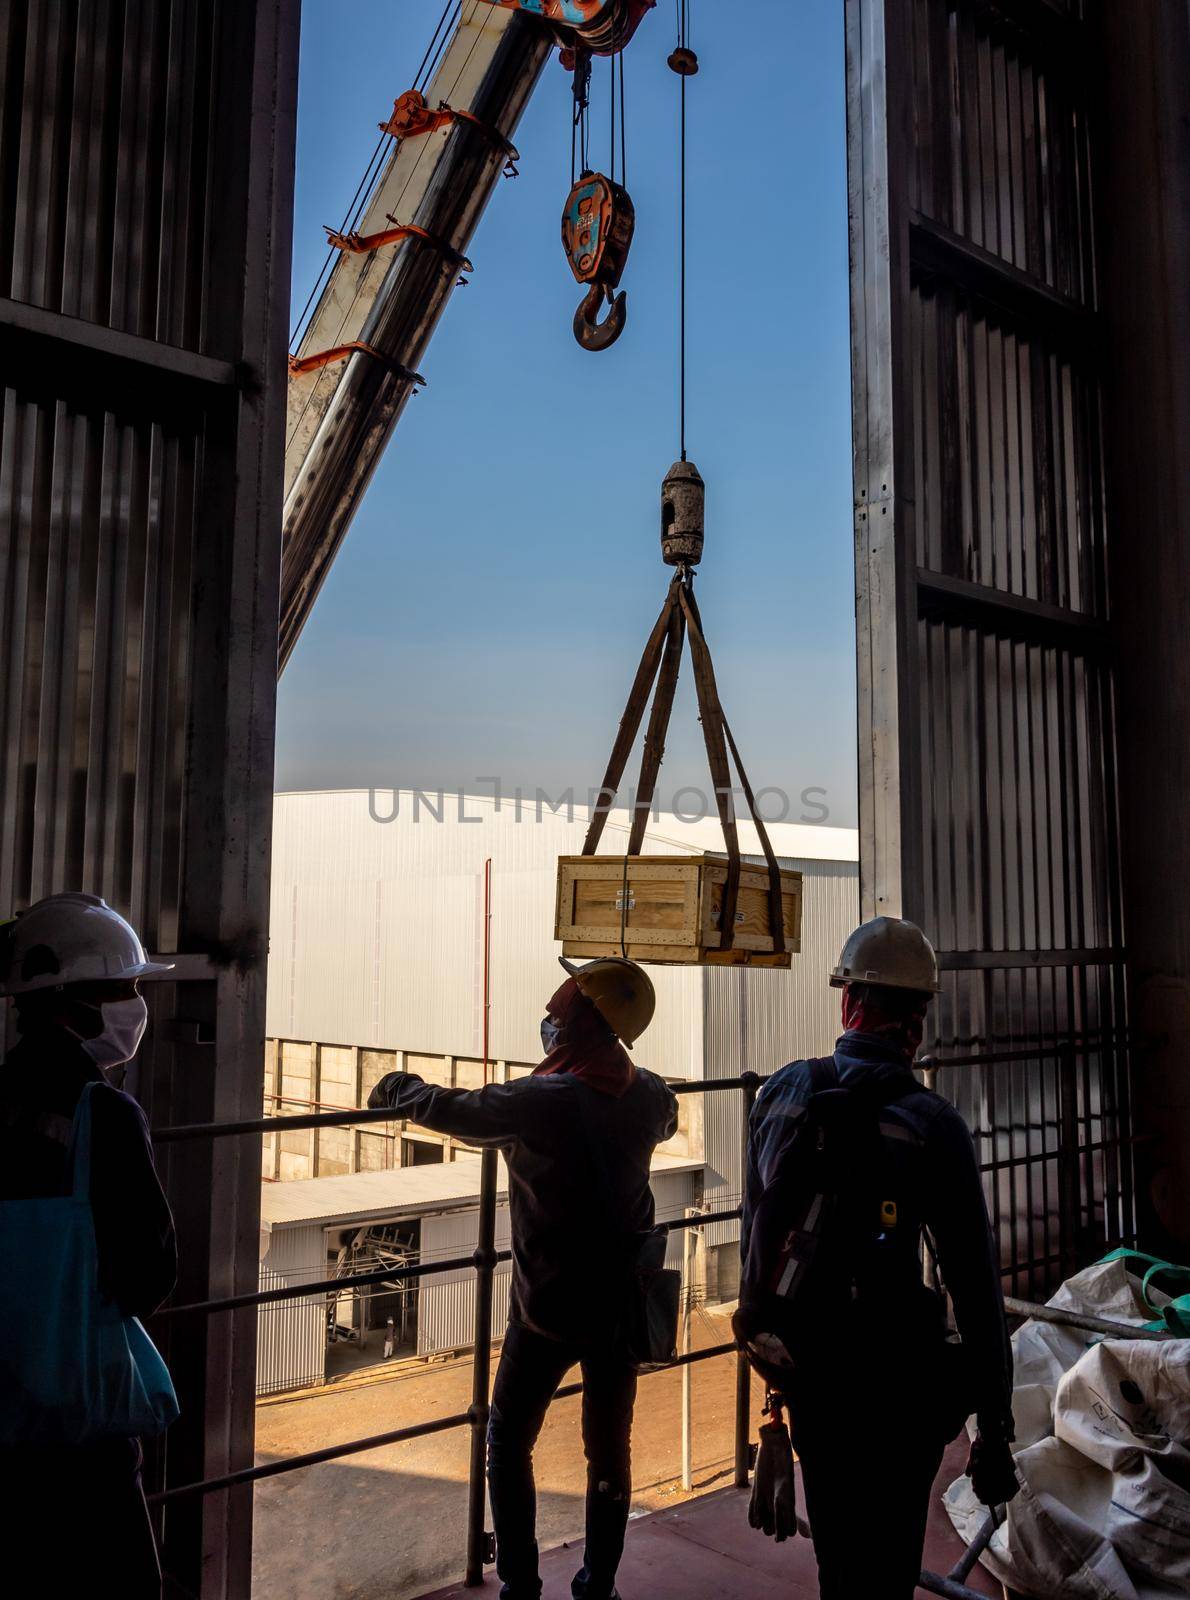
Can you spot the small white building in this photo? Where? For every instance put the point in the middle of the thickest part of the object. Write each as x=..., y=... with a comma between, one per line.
x=377, y=957
x=367, y=1220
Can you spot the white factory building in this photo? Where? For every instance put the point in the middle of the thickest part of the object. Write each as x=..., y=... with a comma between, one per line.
x=377, y=964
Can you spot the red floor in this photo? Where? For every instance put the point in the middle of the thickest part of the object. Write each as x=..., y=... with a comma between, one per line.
x=705, y=1550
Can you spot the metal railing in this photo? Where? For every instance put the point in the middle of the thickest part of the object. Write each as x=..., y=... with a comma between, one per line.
x=484, y=1260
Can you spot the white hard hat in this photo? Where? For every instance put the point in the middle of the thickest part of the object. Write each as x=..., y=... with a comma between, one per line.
x=71, y=938
x=890, y=952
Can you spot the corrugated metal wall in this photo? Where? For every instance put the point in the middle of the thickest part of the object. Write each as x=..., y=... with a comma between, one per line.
x=446, y=1301
x=757, y=1021
x=987, y=748
x=378, y=927
x=146, y=151
x=291, y=1338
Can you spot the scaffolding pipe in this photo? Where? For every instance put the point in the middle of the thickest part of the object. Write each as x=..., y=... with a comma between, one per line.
x=1080, y=1319
x=687, y=1396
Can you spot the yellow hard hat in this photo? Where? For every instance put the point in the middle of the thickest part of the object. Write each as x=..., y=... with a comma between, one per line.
x=620, y=991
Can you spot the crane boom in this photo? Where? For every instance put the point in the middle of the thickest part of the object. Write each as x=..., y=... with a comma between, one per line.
x=358, y=359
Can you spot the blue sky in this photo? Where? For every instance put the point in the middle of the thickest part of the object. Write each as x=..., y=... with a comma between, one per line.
x=488, y=608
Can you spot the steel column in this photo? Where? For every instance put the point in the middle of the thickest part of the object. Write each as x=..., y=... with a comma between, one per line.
x=987, y=749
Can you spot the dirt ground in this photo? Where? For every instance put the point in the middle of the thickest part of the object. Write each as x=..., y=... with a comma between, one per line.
x=391, y=1522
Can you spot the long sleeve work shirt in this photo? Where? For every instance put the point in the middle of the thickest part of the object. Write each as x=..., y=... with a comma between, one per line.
x=578, y=1182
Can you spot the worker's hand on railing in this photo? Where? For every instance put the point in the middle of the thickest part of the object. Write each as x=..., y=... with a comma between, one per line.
x=773, y=1507
x=992, y=1471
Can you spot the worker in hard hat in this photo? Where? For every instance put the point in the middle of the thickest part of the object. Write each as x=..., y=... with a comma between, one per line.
x=875, y=1388
x=578, y=1137
x=72, y=967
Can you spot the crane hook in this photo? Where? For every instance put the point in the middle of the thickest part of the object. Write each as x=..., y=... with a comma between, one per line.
x=595, y=335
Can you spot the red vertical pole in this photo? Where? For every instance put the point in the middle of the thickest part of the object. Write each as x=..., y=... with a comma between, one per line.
x=487, y=964
x=485, y=1266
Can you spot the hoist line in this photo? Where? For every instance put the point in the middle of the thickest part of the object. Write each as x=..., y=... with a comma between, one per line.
x=623, y=132
x=424, y=146
x=423, y=76
x=682, y=291
x=611, y=171
x=355, y=206
x=682, y=249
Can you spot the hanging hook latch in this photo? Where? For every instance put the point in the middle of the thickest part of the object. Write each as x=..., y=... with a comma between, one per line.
x=591, y=333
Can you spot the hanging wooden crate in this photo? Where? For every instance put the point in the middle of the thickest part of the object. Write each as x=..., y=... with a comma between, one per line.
x=666, y=909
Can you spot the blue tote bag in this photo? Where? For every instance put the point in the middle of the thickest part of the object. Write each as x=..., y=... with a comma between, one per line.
x=73, y=1369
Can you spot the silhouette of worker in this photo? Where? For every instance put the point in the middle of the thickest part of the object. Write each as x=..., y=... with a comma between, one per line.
x=852, y=1164
x=578, y=1137
x=76, y=1390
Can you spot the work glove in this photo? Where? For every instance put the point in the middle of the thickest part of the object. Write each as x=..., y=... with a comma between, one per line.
x=992, y=1471
x=773, y=1506
x=385, y=1091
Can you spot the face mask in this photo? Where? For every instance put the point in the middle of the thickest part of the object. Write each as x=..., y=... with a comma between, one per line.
x=550, y=1034
x=124, y=1023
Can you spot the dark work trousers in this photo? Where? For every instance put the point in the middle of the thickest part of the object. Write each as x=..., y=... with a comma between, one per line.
x=76, y=1519
x=869, y=1459
x=531, y=1369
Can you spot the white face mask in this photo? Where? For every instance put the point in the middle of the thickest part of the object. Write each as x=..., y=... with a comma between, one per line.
x=124, y=1023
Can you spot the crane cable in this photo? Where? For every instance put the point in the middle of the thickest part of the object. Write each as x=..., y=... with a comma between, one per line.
x=421, y=154
x=683, y=10
x=362, y=197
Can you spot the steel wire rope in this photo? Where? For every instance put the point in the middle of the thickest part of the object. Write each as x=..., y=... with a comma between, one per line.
x=612, y=86
x=423, y=77
x=576, y=143
x=371, y=172
x=683, y=38
x=396, y=203
x=623, y=132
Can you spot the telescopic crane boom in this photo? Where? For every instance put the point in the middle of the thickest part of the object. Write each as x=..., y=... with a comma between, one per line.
x=359, y=356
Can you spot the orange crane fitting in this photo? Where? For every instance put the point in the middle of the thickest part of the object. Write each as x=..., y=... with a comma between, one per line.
x=360, y=243
x=412, y=117
x=340, y=352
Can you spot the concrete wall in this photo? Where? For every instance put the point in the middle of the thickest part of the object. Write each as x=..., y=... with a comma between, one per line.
x=302, y=1074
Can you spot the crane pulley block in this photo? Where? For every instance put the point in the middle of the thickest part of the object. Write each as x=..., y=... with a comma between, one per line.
x=597, y=227
x=604, y=27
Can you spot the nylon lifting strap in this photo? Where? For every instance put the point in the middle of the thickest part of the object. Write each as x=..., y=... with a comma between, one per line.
x=630, y=722
x=661, y=661
x=654, y=748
